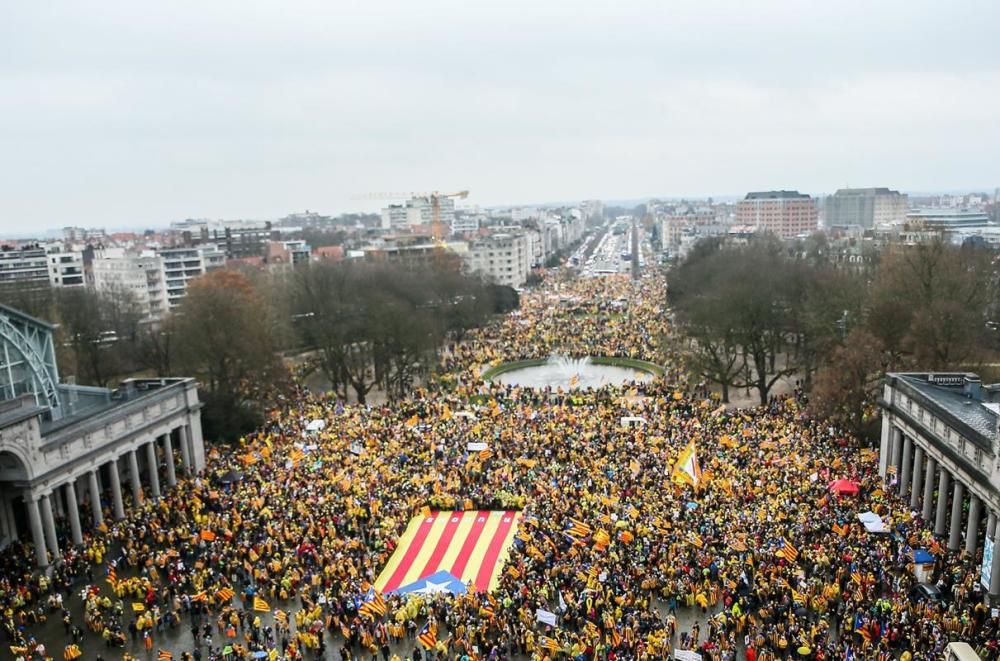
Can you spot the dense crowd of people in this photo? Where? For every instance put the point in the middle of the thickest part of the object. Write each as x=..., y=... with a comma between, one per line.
x=271, y=552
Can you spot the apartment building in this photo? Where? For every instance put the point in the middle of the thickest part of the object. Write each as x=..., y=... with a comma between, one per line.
x=66, y=267
x=505, y=258
x=181, y=265
x=234, y=238
x=24, y=266
x=418, y=211
x=141, y=275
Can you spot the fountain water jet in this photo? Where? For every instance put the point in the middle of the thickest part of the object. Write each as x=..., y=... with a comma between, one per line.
x=563, y=372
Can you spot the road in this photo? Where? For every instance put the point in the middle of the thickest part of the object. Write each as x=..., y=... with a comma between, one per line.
x=612, y=254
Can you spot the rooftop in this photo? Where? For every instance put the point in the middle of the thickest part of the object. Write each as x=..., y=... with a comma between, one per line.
x=86, y=404
x=26, y=318
x=777, y=195
x=944, y=213
x=959, y=397
x=844, y=192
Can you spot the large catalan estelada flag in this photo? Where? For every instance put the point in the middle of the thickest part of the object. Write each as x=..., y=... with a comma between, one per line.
x=447, y=551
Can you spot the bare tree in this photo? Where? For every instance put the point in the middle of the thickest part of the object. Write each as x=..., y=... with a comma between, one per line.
x=847, y=386
x=223, y=336
x=101, y=328
x=931, y=304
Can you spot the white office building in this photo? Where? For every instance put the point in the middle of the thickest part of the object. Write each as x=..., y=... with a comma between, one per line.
x=865, y=207
x=949, y=220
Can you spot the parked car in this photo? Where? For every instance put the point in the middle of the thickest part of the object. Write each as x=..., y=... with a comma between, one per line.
x=926, y=592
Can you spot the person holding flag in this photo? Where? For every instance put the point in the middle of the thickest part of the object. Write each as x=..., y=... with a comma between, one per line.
x=428, y=635
x=687, y=469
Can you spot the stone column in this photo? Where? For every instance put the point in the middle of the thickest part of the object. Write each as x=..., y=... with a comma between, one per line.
x=995, y=567
x=95, y=499
x=955, y=535
x=151, y=464
x=904, y=471
x=7, y=512
x=991, y=523
x=197, y=444
x=49, y=522
x=37, y=536
x=929, y=491
x=73, y=513
x=884, y=445
x=168, y=452
x=82, y=485
x=897, y=450
x=9, y=525
x=116, y=489
x=918, y=473
x=133, y=473
x=182, y=438
x=940, y=520
x=972, y=532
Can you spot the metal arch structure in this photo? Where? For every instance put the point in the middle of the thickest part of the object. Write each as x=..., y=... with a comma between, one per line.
x=28, y=342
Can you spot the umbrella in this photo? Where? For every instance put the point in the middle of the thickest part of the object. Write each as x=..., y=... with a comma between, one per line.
x=692, y=505
x=231, y=476
x=259, y=654
x=872, y=522
x=843, y=487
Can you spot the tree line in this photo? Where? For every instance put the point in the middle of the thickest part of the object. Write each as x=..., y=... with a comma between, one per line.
x=364, y=326
x=753, y=314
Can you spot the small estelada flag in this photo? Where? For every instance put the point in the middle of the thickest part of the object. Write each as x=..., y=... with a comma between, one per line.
x=687, y=469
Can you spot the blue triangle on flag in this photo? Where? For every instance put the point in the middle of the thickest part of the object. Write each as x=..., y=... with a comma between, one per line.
x=438, y=582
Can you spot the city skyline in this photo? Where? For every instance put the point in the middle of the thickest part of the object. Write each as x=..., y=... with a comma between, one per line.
x=121, y=117
x=54, y=232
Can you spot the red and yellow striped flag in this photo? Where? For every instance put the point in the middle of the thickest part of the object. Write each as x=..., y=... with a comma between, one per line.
x=470, y=545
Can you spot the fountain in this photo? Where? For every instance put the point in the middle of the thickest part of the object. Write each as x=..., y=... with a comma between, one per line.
x=567, y=373
x=567, y=367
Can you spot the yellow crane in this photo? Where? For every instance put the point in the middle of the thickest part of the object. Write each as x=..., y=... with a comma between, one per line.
x=437, y=229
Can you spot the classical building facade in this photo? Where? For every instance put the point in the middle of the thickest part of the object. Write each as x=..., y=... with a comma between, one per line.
x=72, y=457
x=939, y=450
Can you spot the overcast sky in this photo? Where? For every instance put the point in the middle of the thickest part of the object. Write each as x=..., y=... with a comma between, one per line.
x=124, y=113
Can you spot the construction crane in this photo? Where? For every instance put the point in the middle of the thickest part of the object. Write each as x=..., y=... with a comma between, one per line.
x=437, y=229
